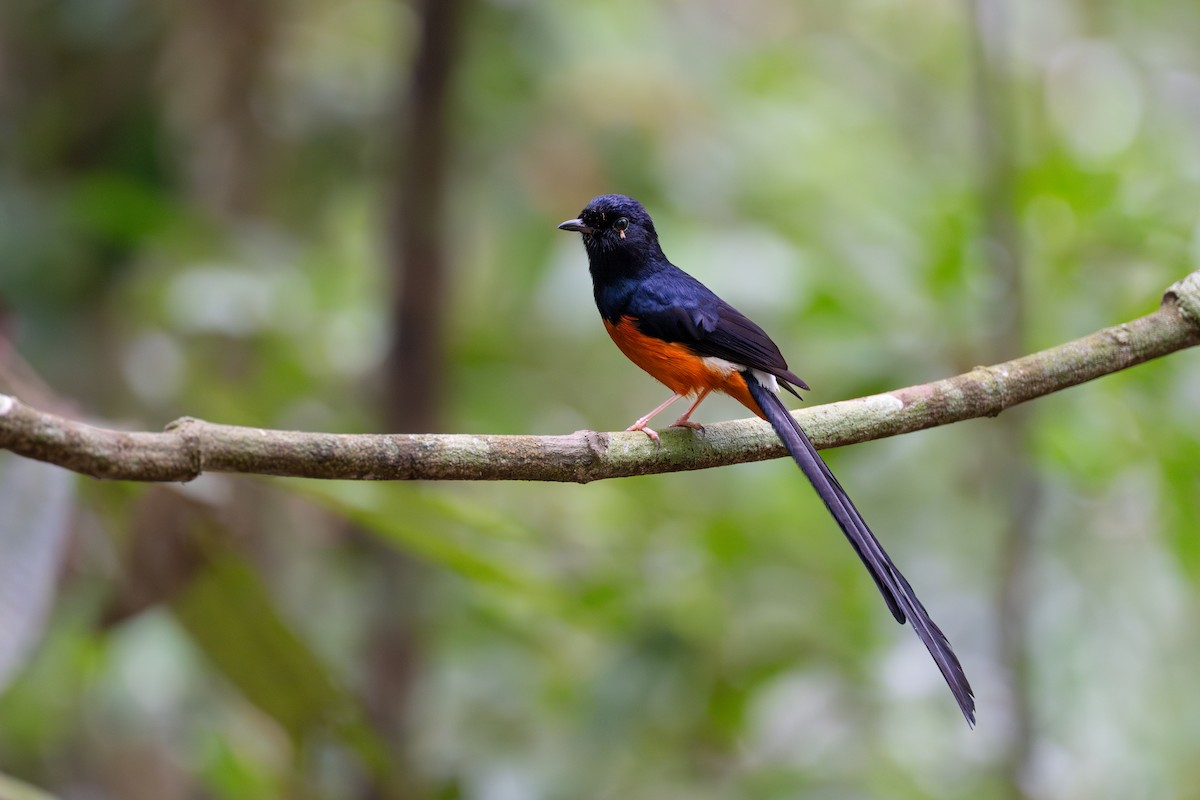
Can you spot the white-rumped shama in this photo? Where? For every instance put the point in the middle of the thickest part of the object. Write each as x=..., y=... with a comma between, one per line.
x=676, y=329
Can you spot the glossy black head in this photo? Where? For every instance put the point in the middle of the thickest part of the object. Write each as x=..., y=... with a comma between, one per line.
x=615, y=227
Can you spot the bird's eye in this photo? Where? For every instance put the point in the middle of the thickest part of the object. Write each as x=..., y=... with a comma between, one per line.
x=621, y=224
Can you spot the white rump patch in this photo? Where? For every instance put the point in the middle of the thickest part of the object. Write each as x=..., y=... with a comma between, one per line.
x=767, y=380
x=722, y=365
x=764, y=379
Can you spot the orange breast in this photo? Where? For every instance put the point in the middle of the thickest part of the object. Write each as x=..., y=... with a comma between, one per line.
x=676, y=366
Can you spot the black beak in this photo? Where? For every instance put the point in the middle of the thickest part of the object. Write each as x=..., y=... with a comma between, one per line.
x=575, y=225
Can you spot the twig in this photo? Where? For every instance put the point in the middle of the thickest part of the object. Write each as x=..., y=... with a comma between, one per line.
x=190, y=446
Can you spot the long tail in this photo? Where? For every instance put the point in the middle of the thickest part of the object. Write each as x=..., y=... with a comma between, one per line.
x=900, y=597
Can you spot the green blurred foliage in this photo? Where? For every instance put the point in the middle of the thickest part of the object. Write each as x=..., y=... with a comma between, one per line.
x=705, y=635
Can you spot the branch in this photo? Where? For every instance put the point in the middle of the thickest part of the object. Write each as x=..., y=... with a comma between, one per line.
x=189, y=447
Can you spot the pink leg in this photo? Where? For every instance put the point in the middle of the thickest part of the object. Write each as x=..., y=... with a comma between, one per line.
x=640, y=425
x=684, y=421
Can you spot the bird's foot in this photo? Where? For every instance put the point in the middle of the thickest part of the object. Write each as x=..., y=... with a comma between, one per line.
x=640, y=425
x=684, y=422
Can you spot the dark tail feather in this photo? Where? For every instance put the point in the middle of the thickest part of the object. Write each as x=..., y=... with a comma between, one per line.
x=900, y=597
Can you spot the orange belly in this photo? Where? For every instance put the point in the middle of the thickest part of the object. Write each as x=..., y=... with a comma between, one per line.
x=676, y=366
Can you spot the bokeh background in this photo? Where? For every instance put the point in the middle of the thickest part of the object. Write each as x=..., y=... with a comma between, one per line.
x=331, y=215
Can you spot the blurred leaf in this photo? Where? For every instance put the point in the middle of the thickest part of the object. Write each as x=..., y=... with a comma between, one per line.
x=118, y=208
x=1181, y=488
x=231, y=774
x=37, y=501
x=425, y=529
x=12, y=789
x=40, y=709
x=229, y=615
x=232, y=619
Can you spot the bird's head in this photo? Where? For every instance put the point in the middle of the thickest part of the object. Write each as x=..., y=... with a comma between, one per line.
x=614, y=225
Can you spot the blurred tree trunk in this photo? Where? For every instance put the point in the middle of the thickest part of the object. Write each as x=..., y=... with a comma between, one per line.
x=1012, y=467
x=213, y=108
x=416, y=226
x=414, y=372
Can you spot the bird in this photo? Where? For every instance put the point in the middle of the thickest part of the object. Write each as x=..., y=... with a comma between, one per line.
x=689, y=339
